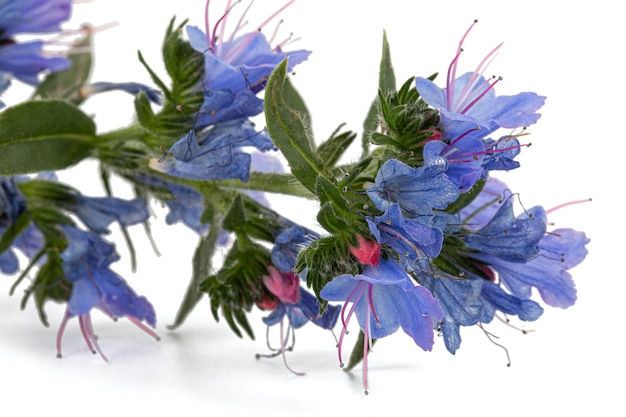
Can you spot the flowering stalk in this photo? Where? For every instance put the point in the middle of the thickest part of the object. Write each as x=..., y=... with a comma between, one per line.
x=417, y=233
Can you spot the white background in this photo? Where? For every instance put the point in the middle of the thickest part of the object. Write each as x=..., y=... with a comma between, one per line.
x=571, y=362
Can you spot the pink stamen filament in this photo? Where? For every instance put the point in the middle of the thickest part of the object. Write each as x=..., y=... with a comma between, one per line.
x=453, y=67
x=143, y=327
x=478, y=72
x=253, y=34
x=485, y=152
x=456, y=140
x=344, y=329
x=273, y=37
x=66, y=318
x=371, y=301
x=212, y=45
x=569, y=203
x=367, y=340
x=89, y=336
x=481, y=95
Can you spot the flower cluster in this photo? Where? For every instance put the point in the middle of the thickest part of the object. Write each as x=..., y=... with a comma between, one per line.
x=417, y=233
x=25, y=61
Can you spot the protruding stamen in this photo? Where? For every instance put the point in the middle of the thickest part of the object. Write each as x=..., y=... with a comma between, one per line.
x=246, y=41
x=143, y=327
x=569, y=203
x=453, y=66
x=481, y=95
x=66, y=318
x=366, y=346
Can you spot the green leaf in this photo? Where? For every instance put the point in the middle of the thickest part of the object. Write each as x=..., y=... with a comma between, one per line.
x=66, y=85
x=328, y=218
x=145, y=115
x=202, y=263
x=386, y=84
x=289, y=126
x=334, y=147
x=386, y=76
x=357, y=352
x=13, y=231
x=235, y=218
x=43, y=136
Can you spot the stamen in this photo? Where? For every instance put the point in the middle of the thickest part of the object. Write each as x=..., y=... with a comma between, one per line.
x=273, y=37
x=481, y=95
x=283, y=344
x=371, y=302
x=569, y=203
x=143, y=327
x=66, y=318
x=253, y=34
x=490, y=337
x=366, y=345
x=453, y=66
x=85, y=333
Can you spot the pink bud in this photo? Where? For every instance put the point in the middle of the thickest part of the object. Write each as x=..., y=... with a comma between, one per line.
x=368, y=252
x=284, y=285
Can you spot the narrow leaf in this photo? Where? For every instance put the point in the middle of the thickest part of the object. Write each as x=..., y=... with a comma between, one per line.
x=202, y=263
x=289, y=127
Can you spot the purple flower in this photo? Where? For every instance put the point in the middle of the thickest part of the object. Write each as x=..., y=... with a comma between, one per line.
x=242, y=62
x=559, y=251
x=464, y=158
x=469, y=101
x=224, y=105
x=510, y=238
x=26, y=60
x=288, y=244
x=214, y=154
x=12, y=205
x=132, y=88
x=86, y=264
x=408, y=237
x=384, y=299
x=417, y=190
x=97, y=213
x=33, y=16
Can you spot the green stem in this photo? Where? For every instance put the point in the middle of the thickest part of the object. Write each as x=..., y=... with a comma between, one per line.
x=136, y=132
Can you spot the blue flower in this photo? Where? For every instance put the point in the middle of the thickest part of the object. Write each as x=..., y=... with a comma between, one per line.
x=224, y=105
x=131, y=88
x=97, y=213
x=469, y=101
x=288, y=244
x=417, y=190
x=384, y=299
x=409, y=238
x=86, y=264
x=242, y=62
x=464, y=159
x=510, y=238
x=559, y=251
x=12, y=205
x=215, y=154
x=26, y=60
x=33, y=16
x=470, y=301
